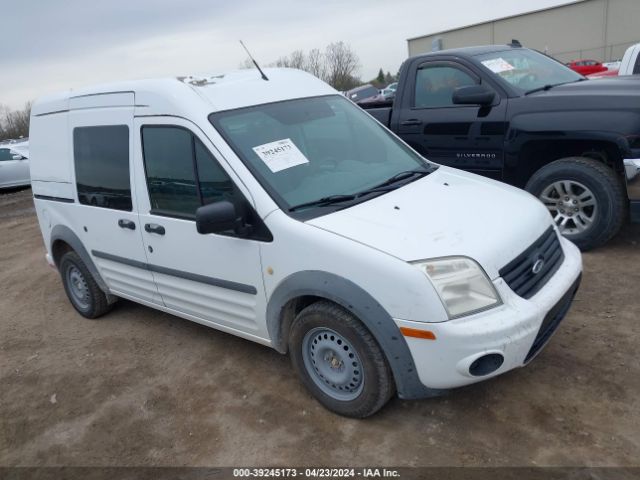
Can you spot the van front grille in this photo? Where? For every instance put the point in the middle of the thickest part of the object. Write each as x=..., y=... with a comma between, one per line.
x=531, y=270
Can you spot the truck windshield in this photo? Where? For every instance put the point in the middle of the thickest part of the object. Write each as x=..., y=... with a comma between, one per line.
x=527, y=70
x=316, y=155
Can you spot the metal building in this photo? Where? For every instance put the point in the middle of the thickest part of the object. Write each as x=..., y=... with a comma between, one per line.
x=593, y=29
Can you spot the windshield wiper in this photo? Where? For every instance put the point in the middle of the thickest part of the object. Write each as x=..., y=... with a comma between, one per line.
x=550, y=86
x=324, y=202
x=395, y=179
x=383, y=187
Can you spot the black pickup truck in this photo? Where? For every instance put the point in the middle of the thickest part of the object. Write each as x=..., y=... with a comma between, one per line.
x=518, y=116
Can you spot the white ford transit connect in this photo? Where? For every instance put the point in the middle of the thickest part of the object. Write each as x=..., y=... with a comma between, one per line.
x=278, y=211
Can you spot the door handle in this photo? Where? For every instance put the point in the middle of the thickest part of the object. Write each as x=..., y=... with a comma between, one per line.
x=154, y=228
x=123, y=223
x=413, y=122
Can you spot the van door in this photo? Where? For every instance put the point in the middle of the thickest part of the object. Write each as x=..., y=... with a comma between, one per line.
x=469, y=137
x=105, y=218
x=212, y=279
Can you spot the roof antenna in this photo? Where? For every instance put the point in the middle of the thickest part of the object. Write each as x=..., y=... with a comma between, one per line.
x=264, y=77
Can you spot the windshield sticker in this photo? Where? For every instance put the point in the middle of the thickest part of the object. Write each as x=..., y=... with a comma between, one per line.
x=280, y=155
x=498, y=65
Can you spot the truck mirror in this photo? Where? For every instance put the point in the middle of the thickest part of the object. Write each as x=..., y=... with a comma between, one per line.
x=473, y=95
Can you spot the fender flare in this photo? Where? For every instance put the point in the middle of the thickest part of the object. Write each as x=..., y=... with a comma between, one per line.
x=357, y=301
x=64, y=233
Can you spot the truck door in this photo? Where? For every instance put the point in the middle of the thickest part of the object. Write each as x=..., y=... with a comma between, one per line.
x=469, y=137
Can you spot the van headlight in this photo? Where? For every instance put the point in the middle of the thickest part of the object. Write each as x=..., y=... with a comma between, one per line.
x=461, y=283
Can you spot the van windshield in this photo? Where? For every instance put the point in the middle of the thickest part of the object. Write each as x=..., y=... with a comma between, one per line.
x=316, y=155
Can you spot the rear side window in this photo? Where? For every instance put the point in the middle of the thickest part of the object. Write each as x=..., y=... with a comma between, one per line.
x=181, y=173
x=101, y=157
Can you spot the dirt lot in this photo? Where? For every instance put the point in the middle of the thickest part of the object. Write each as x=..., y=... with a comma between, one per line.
x=140, y=387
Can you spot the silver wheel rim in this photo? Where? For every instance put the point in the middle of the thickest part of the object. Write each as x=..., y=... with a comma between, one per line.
x=572, y=205
x=333, y=364
x=78, y=287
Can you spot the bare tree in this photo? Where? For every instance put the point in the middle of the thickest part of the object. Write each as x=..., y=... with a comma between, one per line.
x=298, y=60
x=246, y=64
x=315, y=63
x=342, y=64
x=14, y=123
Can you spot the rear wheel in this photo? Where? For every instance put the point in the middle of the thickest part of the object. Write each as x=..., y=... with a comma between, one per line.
x=84, y=293
x=585, y=198
x=339, y=361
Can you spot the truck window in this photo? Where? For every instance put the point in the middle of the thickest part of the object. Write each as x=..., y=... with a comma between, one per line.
x=435, y=85
x=101, y=158
x=5, y=154
x=181, y=173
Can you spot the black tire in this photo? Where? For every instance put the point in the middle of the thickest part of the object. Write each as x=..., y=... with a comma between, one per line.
x=93, y=303
x=608, y=192
x=377, y=385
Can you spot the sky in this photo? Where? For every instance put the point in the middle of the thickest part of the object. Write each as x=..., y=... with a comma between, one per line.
x=53, y=45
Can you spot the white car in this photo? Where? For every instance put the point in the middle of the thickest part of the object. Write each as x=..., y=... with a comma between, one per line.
x=279, y=211
x=14, y=165
x=630, y=64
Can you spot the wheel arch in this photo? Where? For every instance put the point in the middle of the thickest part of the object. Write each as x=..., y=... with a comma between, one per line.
x=304, y=288
x=63, y=239
x=534, y=154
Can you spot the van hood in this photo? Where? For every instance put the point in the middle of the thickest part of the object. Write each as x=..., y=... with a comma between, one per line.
x=449, y=212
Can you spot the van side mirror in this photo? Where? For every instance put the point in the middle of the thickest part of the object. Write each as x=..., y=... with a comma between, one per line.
x=473, y=95
x=217, y=217
x=16, y=156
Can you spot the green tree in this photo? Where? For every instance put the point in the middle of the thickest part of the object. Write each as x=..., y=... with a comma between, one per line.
x=380, y=77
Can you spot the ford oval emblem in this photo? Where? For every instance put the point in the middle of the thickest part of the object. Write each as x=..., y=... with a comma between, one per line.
x=537, y=266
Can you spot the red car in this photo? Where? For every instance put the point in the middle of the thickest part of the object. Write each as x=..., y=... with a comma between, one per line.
x=586, y=67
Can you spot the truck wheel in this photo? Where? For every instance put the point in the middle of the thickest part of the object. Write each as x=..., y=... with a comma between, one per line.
x=83, y=291
x=339, y=361
x=585, y=198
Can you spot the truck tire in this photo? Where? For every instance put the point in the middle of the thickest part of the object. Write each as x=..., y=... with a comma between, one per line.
x=339, y=361
x=584, y=196
x=84, y=293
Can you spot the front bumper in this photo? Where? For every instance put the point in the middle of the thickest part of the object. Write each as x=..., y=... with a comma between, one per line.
x=509, y=330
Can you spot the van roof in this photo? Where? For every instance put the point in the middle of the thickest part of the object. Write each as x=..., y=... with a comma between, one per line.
x=191, y=94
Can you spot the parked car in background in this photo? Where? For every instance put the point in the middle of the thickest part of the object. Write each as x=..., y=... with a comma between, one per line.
x=389, y=92
x=605, y=74
x=14, y=164
x=630, y=64
x=586, y=67
x=364, y=93
x=292, y=218
x=516, y=115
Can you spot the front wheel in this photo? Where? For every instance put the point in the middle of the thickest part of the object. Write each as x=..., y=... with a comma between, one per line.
x=339, y=361
x=585, y=198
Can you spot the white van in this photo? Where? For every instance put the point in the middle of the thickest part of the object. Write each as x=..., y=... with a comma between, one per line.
x=281, y=212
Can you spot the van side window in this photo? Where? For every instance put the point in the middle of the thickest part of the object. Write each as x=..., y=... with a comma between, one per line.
x=181, y=173
x=101, y=157
x=5, y=154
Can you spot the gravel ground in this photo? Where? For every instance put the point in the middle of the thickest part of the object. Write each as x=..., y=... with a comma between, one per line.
x=140, y=387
